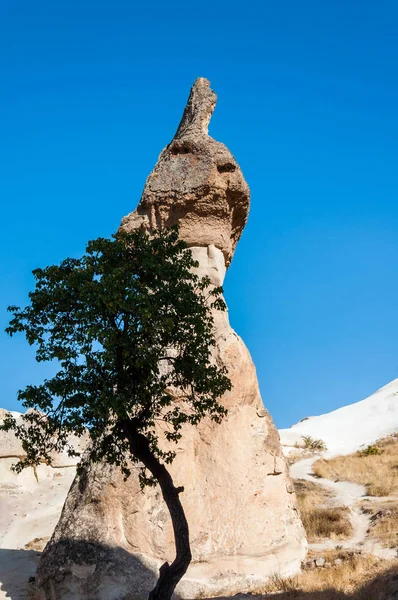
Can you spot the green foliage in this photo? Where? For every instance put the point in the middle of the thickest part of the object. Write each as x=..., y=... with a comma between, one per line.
x=130, y=325
x=307, y=441
x=315, y=445
x=371, y=451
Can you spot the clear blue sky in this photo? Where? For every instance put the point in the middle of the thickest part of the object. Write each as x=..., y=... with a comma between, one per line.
x=90, y=92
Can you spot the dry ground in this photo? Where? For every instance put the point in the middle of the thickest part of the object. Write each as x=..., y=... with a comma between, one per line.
x=357, y=577
x=321, y=520
x=377, y=472
x=297, y=455
x=384, y=521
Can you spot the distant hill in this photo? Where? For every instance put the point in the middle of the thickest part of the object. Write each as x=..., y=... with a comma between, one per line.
x=348, y=428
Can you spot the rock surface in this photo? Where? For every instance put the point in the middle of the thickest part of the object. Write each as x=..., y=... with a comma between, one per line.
x=244, y=525
x=30, y=506
x=11, y=448
x=196, y=182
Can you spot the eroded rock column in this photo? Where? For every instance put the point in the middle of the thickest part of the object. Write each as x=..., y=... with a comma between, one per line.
x=244, y=524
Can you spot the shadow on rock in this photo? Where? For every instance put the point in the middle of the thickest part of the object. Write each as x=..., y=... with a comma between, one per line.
x=82, y=570
x=74, y=569
x=87, y=570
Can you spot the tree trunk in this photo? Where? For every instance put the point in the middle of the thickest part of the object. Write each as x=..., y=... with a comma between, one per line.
x=169, y=575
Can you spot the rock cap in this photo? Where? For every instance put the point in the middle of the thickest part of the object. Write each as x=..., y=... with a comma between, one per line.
x=196, y=183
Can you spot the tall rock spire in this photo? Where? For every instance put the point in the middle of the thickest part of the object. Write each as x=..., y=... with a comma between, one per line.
x=198, y=111
x=238, y=499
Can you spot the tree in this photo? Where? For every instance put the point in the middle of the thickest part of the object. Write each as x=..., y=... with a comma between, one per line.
x=130, y=325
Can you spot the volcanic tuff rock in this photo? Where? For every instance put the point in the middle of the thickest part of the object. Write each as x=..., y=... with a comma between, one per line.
x=196, y=183
x=244, y=525
x=30, y=506
x=377, y=414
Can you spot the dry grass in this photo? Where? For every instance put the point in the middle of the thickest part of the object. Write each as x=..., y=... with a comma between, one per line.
x=378, y=472
x=321, y=521
x=333, y=523
x=384, y=522
x=37, y=544
x=358, y=577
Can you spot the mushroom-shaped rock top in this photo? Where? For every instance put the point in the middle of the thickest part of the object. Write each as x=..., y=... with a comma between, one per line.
x=196, y=183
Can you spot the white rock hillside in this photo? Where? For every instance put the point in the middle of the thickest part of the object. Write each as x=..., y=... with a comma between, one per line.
x=348, y=428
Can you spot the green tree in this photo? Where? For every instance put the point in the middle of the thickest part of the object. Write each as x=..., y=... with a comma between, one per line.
x=131, y=327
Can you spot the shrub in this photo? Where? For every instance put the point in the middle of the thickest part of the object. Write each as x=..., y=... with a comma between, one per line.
x=315, y=445
x=371, y=451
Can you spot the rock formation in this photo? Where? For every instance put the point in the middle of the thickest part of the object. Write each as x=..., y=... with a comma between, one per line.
x=30, y=506
x=244, y=525
x=196, y=183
